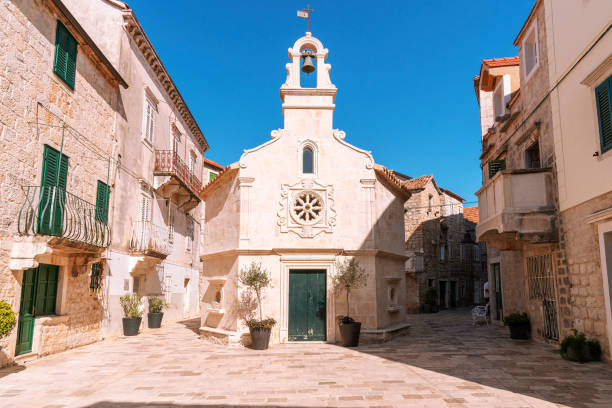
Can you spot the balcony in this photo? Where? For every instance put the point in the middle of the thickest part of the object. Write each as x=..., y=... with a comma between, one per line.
x=414, y=263
x=69, y=220
x=517, y=206
x=150, y=240
x=174, y=180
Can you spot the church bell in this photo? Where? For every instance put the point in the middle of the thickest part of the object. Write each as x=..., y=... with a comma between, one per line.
x=307, y=65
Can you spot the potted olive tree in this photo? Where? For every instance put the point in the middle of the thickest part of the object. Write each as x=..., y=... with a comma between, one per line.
x=256, y=278
x=156, y=313
x=349, y=276
x=7, y=319
x=132, y=311
x=431, y=300
x=518, y=323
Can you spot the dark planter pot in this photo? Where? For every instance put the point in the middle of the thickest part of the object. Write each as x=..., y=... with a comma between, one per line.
x=426, y=308
x=260, y=338
x=131, y=325
x=349, y=334
x=154, y=320
x=435, y=309
x=582, y=355
x=519, y=331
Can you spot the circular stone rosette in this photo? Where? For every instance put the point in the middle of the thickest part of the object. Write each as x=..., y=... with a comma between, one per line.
x=307, y=207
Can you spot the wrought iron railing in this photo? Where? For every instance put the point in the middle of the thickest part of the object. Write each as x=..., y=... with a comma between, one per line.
x=149, y=238
x=51, y=210
x=168, y=162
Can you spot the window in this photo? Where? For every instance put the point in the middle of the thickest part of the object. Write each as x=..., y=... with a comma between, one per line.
x=136, y=285
x=96, y=276
x=46, y=289
x=307, y=161
x=211, y=176
x=171, y=228
x=532, y=156
x=430, y=204
x=461, y=252
x=144, y=211
x=498, y=99
x=102, y=196
x=192, y=162
x=430, y=283
x=52, y=192
x=149, y=120
x=530, y=51
x=496, y=166
x=189, y=234
x=442, y=252
x=603, y=94
x=64, y=63
x=476, y=252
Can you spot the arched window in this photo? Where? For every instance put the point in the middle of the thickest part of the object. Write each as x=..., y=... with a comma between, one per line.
x=307, y=161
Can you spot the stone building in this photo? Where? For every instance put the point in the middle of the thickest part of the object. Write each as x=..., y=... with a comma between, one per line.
x=101, y=197
x=60, y=100
x=579, y=65
x=298, y=204
x=159, y=173
x=439, y=256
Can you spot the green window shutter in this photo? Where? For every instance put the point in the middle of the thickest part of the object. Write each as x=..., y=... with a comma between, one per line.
x=46, y=289
x=212, y=176
x=96, y=276
x=52, y=192
x=64, y=63
x=603, y=94
x=495, y=166
x=102, y=196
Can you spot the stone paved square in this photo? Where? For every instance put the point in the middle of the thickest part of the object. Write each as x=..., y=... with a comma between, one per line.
x=443, y=362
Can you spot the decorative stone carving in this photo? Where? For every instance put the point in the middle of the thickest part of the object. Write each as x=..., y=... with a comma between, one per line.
x=307, y=208
x=340, y=135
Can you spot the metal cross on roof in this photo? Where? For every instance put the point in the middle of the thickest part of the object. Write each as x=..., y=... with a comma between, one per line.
x=305, y=13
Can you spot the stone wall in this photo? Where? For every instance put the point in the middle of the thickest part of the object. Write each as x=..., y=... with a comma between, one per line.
x=580, y=282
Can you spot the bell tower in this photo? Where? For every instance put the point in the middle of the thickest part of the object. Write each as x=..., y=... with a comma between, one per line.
x=308, y=109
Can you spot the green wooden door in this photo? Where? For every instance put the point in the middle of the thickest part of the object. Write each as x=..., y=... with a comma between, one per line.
x=307, y=305
x=52, y=192
x=25, y=325
x=499, y=303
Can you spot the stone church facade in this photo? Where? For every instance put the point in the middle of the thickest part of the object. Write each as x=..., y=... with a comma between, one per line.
x=298, y=204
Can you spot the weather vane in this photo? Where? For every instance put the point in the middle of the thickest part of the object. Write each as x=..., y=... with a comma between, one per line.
x=306, y=14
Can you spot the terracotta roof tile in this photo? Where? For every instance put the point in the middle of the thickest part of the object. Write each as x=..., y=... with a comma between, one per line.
x=501, y=62
x=418, y=183
x=393, y=180
x=471, y=214
x=212, y=163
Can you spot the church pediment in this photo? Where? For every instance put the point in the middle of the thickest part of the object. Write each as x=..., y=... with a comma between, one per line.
x=306, y=208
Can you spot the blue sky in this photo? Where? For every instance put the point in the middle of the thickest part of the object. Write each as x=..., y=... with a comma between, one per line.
x=403, y=70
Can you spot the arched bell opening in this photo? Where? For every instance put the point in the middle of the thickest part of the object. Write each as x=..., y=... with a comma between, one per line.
x=308, y=67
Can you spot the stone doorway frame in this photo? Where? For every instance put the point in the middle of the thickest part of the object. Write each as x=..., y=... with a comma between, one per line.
x=604, y=229
x=324, y=262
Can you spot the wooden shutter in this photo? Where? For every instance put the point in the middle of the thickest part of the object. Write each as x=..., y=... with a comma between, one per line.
x=102, y=196
x=211, y=176
x=145, y=208
x=495, y=166
x=46, y=289
x=96, y=276
x=64, y=63
x=604, y=112
x=52, y=192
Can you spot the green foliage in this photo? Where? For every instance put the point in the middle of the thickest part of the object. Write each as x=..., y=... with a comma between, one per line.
x=516, y=319
x=7, y=319
x=349, y=275
x=131, y=304
x=431, y=297
x=156, y=304
x=575, y=342
x=261, y=324
x=256, y=278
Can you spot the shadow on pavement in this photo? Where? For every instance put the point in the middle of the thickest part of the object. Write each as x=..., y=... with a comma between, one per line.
x=192, y=324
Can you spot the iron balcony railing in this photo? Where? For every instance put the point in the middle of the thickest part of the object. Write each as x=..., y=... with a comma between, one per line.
x=168, y=162
x=151, y=239
x=51, y=210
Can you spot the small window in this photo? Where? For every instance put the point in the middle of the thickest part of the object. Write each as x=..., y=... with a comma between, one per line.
x=498, y=100
x=532, y=156
x=495, y=166
x=211, y=176
x=192, y=162
x=430, y=283
x=64, y=63
x=189, y=235
x=307, y=161
x=136, y=285
x=96, y=276
x=442, y=252
x=430, y=203
x=171, y=229
x=46, y=290
x=530, y=51
x=603, y=94
x=102, y=196
x=144, y=208
x=149, y=120
x=476, y=252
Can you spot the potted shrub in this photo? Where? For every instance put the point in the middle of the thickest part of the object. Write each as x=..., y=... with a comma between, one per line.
x=577, y=348
x=257, y=278
x=431, y=298
x=518, y=323
x=7, y=319
x=155, y=315
x=349, y=276
x=132, y=312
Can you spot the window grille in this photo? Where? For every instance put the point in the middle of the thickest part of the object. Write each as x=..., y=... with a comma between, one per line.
x=96, y=276
x=541, y=281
